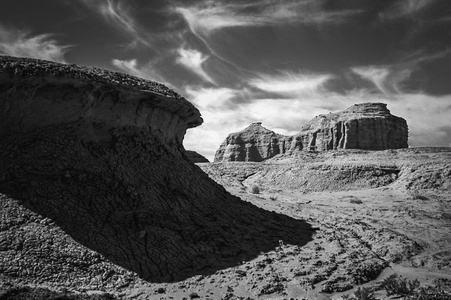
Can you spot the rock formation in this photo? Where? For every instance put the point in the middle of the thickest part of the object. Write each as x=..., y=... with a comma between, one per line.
x=368, y=126
x=195, y=157
x=100, y=153
x=254, y=143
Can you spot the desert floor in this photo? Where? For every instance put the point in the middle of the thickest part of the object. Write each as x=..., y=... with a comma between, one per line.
x=375, y=214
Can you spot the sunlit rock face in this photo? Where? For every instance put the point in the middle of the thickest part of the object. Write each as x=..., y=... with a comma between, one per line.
x=254, y=143
x=368, y=126
x=100, y=153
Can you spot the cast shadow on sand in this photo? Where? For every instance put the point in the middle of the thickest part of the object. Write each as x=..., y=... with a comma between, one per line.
x=140, y=204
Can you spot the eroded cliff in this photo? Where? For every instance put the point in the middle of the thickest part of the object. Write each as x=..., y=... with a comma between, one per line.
x=100, y=154
x=367, y=126
x=254, y=143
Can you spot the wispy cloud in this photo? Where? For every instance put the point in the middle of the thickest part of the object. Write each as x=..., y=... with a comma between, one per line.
x=389, y=79
x=207, y=16
x=210, y=98
x=193, y=60
x=406, y=8
x=17, y=42
x=146, y=71
x=377, y=75
x=119, y=14
x=288, y=83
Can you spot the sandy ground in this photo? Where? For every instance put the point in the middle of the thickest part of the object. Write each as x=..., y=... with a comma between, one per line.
x=362, y=236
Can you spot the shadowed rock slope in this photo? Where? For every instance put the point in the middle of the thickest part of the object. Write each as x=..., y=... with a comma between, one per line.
x=100, y=153
x=195, y=157
x=366, y=126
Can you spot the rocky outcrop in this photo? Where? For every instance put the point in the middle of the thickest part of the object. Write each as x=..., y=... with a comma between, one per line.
x=368, y=126
x=100, y=154
x=195, y=157
x=37, y=94
x=254, y=143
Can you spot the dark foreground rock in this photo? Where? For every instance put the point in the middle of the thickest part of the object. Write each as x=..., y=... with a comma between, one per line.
x=195, y=157
x=366, y=126
x=100, y=154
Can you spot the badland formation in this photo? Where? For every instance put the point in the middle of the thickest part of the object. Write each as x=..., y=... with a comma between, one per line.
x=100, y=200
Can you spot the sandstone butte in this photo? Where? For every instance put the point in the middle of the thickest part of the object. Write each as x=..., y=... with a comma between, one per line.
x=100, y=153
x=367, y=126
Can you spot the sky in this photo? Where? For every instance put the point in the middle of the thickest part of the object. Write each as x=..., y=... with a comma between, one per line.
x=280, y=62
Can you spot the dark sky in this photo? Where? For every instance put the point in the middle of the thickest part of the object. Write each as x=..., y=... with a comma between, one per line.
x=279, y=62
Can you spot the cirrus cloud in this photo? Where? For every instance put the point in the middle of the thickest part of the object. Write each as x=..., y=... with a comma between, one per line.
x=207, y=16
x=406, y=8
x=193, y=60
x=119, y=14
x=289, y=83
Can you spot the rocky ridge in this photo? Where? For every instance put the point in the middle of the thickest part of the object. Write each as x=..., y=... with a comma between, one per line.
x=104, y=162
x=367, y=126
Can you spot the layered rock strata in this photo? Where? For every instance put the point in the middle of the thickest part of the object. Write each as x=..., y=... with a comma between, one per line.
x=254, y=143
x=368, y=126
x=93, y=99
x=100, y=154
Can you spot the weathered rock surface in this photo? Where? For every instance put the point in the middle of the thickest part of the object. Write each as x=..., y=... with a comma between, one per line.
x=100, y=154
x=254, y=143
x=195, y=157
x=367, y=126
x=37, y=94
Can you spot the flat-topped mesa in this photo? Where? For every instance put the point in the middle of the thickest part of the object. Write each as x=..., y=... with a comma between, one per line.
x=254, y=143
x=372, y=108
x=36, y=93
x=368, y=126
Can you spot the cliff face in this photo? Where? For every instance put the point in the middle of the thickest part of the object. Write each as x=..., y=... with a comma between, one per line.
x=368, y=126
x=100, y=154
x=254, y=143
